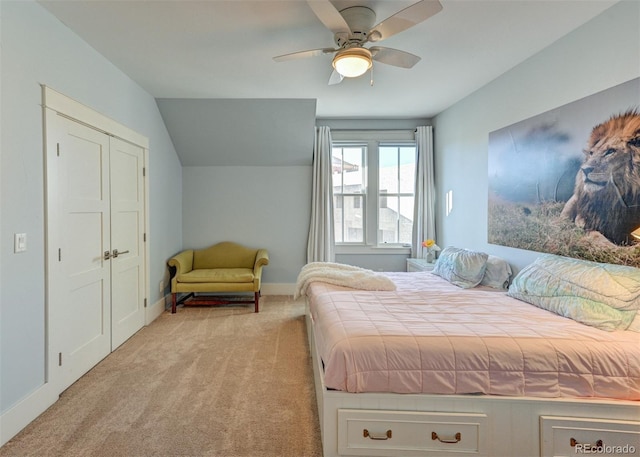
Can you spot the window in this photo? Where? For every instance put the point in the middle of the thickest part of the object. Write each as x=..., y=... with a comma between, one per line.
x=349, y=182
x=373, y=188
x=396, y=184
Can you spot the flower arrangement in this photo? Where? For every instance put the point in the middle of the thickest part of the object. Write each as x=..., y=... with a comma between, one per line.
x=431, y=247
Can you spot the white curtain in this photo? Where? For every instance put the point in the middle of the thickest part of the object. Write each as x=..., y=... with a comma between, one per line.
x=321, y=242
x=424, y=223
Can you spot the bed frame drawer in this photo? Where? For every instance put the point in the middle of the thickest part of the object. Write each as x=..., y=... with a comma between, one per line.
x=570, y=436
x=410, y=433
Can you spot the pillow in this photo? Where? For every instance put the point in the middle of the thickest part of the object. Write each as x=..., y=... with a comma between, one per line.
x=605, y=296
x=461, y=267
x=497, y=273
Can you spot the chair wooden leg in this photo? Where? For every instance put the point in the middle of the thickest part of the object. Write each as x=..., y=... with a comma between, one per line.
x=173, y=303
x=257, y=300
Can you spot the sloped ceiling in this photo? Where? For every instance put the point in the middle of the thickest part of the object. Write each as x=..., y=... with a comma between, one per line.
x=240, y=132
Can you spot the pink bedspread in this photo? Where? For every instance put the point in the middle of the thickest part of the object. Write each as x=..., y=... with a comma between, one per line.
x=432, y=337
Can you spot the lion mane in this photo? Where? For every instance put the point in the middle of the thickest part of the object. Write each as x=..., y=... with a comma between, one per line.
x=606, y=196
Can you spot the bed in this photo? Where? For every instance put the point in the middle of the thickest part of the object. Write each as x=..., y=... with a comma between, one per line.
x=431, y=368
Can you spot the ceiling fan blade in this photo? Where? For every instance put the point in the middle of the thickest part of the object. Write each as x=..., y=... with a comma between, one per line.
x=335, y=78
x=329, y=16
x=303, y=54
x=394, y=57
x=402, y=20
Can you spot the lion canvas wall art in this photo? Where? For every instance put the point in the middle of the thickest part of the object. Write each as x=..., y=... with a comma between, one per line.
x=567, y=181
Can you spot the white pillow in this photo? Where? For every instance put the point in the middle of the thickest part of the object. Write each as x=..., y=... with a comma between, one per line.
x=497, y=274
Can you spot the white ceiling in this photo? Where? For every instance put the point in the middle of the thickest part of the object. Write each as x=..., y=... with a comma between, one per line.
x=224, y=49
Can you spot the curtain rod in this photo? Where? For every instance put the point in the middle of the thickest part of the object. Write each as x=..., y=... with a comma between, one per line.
x=375, y=130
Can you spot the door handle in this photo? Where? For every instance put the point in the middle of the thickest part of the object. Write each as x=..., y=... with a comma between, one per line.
x=107, y=255
x=116, y=253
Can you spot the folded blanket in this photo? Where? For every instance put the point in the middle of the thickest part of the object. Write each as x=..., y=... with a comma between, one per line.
x=341, y=274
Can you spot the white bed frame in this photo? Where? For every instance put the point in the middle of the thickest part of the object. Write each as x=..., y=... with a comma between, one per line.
x=511, y=426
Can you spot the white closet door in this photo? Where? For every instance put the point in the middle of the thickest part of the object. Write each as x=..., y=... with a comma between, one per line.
x=79, y=276
x=127, y=242
x=95, y=207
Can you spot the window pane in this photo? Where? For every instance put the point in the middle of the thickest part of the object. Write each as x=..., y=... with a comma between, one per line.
x=348, y=170
x=349, y=179
x=387, y=223
x=395, y=220
x=407, y=170
x=353, y=219
x=405, y=222
x=388, y=169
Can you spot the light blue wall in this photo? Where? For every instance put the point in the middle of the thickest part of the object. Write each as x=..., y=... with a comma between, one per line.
x=252, y=182
x=602, y=53
x=262, y=207
x=38, y=49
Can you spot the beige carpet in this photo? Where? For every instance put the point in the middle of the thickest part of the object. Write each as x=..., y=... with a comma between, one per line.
x=203, y=382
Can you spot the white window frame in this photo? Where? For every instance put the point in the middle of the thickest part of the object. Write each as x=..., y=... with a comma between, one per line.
x=373, y=138
x=363, y=194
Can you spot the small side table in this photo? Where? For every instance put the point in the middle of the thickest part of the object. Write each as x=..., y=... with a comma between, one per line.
x=419, y=265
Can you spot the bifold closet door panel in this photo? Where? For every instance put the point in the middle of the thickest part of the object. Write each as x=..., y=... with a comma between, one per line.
x=127, y=240
x=80, y=277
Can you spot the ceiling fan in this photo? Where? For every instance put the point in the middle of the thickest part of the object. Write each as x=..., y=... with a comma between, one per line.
x=353, y=27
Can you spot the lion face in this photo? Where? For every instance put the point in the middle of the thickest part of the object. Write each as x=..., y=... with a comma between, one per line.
x=606, y=197
x=612, y=156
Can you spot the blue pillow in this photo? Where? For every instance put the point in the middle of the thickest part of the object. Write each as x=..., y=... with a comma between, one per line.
x=461, y=267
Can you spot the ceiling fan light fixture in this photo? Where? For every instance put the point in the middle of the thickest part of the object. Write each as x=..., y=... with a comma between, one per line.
x=353, y=62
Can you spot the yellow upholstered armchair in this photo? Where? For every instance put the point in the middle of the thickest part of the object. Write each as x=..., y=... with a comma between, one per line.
x=223, y=267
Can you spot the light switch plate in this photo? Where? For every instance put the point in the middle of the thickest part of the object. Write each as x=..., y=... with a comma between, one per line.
x=19, y=242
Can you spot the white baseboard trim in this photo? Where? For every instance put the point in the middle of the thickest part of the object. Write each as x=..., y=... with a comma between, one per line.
x=25, y=411
x=278, y=289
x=152, y=312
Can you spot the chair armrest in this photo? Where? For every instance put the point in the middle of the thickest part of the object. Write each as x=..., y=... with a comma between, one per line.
x=262, y=259
x=183, y=262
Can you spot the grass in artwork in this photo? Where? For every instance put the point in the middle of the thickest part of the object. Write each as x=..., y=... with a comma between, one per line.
x=540, y=228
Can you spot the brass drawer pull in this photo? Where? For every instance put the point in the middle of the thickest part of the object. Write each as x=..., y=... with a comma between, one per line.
x=454, y=440
x=573, y=442
x=377, y=436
